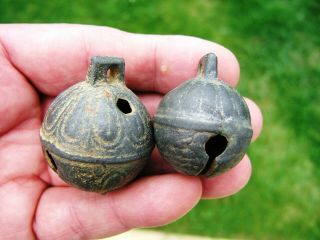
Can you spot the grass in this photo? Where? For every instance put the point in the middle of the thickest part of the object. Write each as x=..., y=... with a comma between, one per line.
x=278, y=46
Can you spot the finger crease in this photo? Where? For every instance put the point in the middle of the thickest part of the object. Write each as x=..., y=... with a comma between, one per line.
x=115, y=212
x=77, y=227
x=3, y=49
x=155, y=63
x=34, y=216
x=85, y=47
x=7, y=56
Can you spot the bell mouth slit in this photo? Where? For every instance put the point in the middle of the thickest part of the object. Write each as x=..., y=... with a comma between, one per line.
x=51, y=161
x=214, y=147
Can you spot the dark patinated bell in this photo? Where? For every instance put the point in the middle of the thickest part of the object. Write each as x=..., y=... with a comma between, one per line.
x=203, y=126
x=97, y=135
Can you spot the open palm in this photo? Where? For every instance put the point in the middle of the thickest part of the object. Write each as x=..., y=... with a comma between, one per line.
x=37, y=62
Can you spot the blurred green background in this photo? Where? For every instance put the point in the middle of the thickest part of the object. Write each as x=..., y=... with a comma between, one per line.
x=278, y=46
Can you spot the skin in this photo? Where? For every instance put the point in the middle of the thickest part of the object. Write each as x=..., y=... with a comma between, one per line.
x=37, y=62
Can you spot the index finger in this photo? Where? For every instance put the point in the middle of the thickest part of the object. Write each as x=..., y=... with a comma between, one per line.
x=56, y=56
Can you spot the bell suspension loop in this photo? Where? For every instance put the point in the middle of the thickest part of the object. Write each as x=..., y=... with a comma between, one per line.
x=105, y=69
x=208, y=66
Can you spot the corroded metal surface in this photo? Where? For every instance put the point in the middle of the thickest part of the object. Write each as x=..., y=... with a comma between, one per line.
x=97, y=134
x=203, y=126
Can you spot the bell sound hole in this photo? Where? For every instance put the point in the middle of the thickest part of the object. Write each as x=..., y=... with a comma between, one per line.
x=50, y=158
x=214, y=147
x=124, y=106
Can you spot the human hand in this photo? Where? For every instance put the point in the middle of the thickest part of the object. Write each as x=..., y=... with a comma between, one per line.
x=37, y=62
